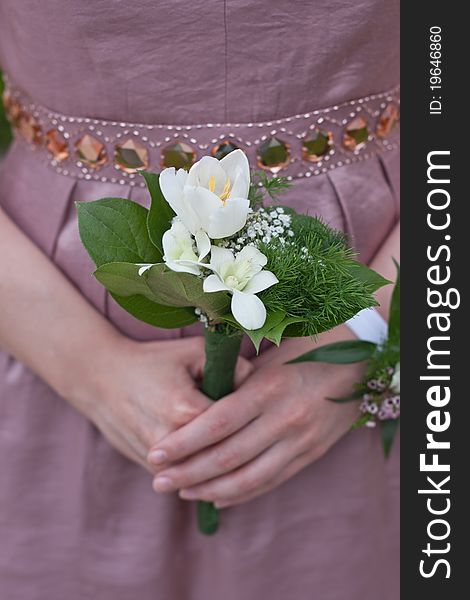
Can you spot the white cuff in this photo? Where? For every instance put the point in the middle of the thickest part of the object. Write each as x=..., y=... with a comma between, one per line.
x=369, y=325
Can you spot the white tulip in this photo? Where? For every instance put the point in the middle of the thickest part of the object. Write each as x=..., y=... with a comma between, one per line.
x=212, y=197
x=242, y=275
x=395, y=383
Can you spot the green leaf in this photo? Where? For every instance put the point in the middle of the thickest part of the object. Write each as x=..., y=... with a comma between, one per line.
x=354, y=396
x=114, y=230
x=371, y=278
x=257, y=335
x=131, y=291
x=360, y=422
x=160, y=214
x=183, y=289
x=394, y=317
x=167, y=317
x=276, y=334
x=388, y=431
x=341, y=353
x=272, y=321
x=123, y=279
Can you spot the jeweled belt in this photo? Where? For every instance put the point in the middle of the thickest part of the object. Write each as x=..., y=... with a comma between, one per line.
x=303, y=145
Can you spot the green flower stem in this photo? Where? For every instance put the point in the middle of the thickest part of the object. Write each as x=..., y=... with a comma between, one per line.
x=222, y=350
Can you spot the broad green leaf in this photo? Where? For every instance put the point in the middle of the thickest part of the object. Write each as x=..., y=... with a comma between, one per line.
x=394, y=317
x=115, y=230
x=371, y=278
x=340, y=353
x=123, y=279
x=183, y=289
x=388, y=430
x=167, y=317
x=160, y=214
x=130, y=290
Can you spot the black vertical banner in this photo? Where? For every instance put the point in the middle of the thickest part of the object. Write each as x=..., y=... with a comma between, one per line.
x=435, y=267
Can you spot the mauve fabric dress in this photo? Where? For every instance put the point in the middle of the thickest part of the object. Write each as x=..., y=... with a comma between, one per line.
x=79, y=521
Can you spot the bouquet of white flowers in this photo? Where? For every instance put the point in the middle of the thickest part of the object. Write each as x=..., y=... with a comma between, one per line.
x=208, y=250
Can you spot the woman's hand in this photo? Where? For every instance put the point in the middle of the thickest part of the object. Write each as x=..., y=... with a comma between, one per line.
x=247, y=443
x=144, y=390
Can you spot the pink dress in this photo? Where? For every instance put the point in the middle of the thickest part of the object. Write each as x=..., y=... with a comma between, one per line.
x=316, y=81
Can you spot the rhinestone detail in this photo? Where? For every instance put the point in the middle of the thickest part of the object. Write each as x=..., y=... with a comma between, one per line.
x=57, y=145
x=273, y=155
x=91, y=151
x=299, y=157
x=315, y=148
x=179, y=155
x=131, y=157
x=387, y=121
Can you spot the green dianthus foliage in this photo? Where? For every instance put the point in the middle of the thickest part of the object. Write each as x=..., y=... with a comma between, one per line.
x=318, y=278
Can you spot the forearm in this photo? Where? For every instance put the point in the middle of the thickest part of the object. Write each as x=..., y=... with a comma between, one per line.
x=44, y=321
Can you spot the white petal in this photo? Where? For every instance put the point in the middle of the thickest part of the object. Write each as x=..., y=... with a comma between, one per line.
x=213, y=283
x=235, y=164
x=219, y=257
x=259, y=282
x=184, y=266
x=171, y=185
x=248, y=310
x=188, y=216
x=144, y=267
x=240, y=186
x=252, y=253
x=207, y=168
x=229, y=218
x=203, y=243
x=204, y=203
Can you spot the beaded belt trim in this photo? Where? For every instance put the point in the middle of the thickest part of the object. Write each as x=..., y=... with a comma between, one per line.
x=303, y=145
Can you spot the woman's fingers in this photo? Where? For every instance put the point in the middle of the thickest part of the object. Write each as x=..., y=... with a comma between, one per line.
x=289, y=471
x=224, y=457
x=247, y=479
x=216, y=423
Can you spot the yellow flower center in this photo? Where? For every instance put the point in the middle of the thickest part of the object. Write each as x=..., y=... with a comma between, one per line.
x=225, y=192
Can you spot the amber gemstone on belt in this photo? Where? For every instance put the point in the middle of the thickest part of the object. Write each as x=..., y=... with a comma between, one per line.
x=356, y=134
x=273, y=155
x=130, y=156
x=91, y=151
x=387, y=121
x=12, y=108
x=315, y=148
x=29, y=129
x=57, y=145
x=179, y=155
x=223, y=149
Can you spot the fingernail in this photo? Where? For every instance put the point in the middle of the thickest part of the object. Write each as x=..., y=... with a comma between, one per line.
x=163, y=484
x=158, y=456
x=188, y=494
x=221, y=504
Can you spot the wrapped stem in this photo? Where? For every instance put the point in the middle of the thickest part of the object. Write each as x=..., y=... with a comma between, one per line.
x=222, y=350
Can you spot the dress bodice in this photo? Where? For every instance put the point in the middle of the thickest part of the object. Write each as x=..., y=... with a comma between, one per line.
x=199, y=61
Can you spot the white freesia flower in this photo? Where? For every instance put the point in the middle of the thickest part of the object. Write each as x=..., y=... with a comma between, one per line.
x=242, y=275
x=395, y=383
x=213, y=197
x=179, y=248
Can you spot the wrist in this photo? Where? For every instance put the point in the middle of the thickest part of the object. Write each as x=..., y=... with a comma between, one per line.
x=85, y=367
